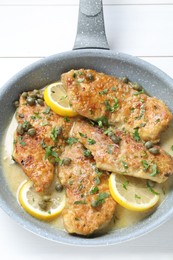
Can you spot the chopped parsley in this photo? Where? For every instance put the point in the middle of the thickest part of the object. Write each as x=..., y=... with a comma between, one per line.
x=54, y=134
x=115, y=106
x=21, y=140
x=97, y=180
x=103, y=92
x=49, y=152
x=145, y=164
x=110, y=149
x=71, y=140
x=100, y=199
x=139, y=92
x=137, y=197
x=43, y=144
x=87, y=153
x=63, y=97
x=125, y=184
x=172, y=147
x=82, y=135
x=90, y=141
x=66, y=119
x=47, y=110
x=77, y=202
x=155, y=170
x=136, y=136
x=151, y=188
x=94, y=190
x=114, y=89
x=104, y=120
x=124, y=165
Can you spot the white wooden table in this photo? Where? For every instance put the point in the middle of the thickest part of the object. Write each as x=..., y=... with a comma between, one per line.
x=33, y=29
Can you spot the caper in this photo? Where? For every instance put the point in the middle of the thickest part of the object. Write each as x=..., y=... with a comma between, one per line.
x=30, y=101
x=136, y=86
x=90, y=76
x=67, y=161
x=40, y=96
x=94, y=203
x=154, y=150
x=110, y=134
x=21, y=115
x=43, y=205
x=59, y=130
x=24, y=95
x=115, y=139
x=148, y=144
x=125, y=80
x=46, y=198
x=16, y=103
x=58, y=187
x=31, y=132
x=36, y=91
x=20, y=129
x=26, y=126
x=151, y=183
x=40, y=102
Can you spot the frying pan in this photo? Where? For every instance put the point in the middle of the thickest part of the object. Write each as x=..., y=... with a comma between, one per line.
x=91, y=50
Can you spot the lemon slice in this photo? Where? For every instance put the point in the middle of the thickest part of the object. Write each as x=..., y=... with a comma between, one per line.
x=31, y=201
x=56, y=98
x=132, y=193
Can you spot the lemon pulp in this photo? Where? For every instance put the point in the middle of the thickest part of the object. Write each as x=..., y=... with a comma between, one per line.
x=56, y=98
x=30, y=201
x=132, y=193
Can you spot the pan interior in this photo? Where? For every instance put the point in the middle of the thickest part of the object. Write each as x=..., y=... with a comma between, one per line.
x=48, y=70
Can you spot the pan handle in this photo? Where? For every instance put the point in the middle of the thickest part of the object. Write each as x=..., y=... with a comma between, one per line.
x=91, y=29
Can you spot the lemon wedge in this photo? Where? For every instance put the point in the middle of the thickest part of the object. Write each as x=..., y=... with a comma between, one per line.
x=41, y=207
x=132, y=193
x=56, y=98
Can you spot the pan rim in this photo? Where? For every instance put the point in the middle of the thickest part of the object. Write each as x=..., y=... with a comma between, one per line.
x=75, y=54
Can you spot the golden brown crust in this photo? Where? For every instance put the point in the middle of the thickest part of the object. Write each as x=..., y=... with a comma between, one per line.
x=29, y=151
x=81, y=178
x=95, y=95
x=128, y=157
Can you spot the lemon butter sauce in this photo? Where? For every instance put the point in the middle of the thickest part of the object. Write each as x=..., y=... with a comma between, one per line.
x=123, y=217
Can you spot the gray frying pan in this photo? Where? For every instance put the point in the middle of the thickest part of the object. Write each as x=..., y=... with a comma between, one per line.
x=91, y=50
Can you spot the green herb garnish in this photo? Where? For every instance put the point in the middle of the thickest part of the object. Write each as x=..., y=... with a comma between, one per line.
x=136, y=136
x=103, y=92
x=77, y=202
x=155, y=170
x=139, y=92
x=87, y=153
x=66, y=119
x=71, y=140
x=151, y=188
x=21, y=140
x=125, y=165
x=43, y=144
x=145, y=164
x=125, y=184
x=137, y=197
x=47, y=110
x=90, y=141
x=94, y=190
x=100, y=199
x=83, y=135
x=104, y=120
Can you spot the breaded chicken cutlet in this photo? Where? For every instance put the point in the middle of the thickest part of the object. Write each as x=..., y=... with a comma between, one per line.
x=116, y=151
x=39, y=139
x=105, y=98
x=90, y=206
